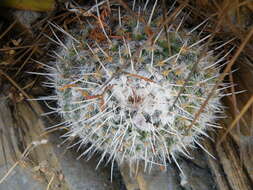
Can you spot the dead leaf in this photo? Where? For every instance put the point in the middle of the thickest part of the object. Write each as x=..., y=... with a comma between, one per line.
x=34, y=5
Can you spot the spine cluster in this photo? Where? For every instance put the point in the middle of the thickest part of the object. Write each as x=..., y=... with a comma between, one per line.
x=132, y=89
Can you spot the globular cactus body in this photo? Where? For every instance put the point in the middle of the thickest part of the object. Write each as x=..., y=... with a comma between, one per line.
x=119, y=80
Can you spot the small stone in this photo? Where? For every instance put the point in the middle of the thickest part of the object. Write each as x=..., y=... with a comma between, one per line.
x=26, y=18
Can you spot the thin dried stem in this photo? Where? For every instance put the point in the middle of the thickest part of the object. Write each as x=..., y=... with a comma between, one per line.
x=8, y=29
x=222, y=76
x=15, y=84
x=244, y=109
x=51, y=181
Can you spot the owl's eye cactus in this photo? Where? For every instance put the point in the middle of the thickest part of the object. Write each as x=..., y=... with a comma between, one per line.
x=132, y=90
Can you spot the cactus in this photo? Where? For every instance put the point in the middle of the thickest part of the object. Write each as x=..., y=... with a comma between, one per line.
x=132, y=90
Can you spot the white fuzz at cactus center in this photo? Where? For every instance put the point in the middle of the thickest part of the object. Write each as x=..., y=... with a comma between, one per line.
x=131, y=89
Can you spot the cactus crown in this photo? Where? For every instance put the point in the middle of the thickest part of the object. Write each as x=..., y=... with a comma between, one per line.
x=120, y=85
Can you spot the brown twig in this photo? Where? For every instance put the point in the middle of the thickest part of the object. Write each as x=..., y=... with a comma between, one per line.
x=28, y=149
x=34, y=49
x=15, y=84
x=20, y=47
x=244, y=109
x=8, y=29
x=222, y=76
x=51, y=181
